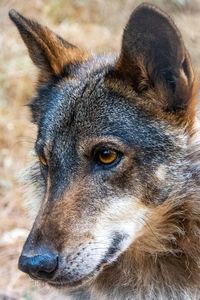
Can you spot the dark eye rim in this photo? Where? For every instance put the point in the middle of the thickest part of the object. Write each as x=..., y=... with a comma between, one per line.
x=115, y=162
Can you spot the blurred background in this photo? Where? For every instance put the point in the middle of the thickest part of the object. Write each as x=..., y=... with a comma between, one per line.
x=95, y=25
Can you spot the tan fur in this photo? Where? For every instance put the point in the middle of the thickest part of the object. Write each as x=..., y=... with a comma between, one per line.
x=129, y=230
x=58, y=53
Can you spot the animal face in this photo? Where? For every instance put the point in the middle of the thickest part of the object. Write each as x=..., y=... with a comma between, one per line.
x=111, y=132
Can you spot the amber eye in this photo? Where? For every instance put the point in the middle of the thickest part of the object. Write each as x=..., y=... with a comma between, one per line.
x=106, y=156
x=43, y=160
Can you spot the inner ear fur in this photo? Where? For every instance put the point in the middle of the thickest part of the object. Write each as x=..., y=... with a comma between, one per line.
x=153, y=55
x=49, y=52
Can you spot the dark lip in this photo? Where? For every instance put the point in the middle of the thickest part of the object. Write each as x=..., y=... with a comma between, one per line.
x=75, y=283
x=105, y=263
x=62, y=283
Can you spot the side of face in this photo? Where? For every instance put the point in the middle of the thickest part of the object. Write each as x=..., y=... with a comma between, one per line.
x=109, y=133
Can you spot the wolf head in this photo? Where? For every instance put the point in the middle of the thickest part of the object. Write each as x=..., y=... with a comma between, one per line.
x=112, y=137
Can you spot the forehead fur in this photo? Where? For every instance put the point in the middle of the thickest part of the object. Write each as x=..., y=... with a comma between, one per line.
x=85, y=104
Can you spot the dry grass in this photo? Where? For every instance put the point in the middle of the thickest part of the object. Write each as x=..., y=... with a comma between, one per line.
x=94, y=24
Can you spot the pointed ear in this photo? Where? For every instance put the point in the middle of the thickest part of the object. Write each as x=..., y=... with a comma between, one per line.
x=48, y=51
x=153, y=56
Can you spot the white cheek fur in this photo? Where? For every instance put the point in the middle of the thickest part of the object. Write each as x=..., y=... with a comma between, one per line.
x=124, y=215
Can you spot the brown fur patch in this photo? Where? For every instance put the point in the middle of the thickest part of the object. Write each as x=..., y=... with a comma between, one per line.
x=154, y=102
x=47, y=50
x=151, y=224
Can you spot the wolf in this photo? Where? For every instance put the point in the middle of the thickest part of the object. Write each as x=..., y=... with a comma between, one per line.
x=118, y=164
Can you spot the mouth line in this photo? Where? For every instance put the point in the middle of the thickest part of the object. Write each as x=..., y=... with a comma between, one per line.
x=110, y=256
x=61, y=283
x=73, y=284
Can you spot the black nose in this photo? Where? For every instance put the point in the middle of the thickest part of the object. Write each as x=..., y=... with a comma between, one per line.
x=41, y=266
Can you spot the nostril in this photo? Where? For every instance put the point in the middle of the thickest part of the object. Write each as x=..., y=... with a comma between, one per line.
x=41, y=266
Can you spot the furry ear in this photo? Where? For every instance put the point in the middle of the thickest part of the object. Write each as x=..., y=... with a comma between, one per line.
x=48, y=51
x=153, y=55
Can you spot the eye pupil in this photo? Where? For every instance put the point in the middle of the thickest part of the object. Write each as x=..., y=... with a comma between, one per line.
x=107, y=156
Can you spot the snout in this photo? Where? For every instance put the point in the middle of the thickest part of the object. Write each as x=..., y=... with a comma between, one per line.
x=42, y=266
